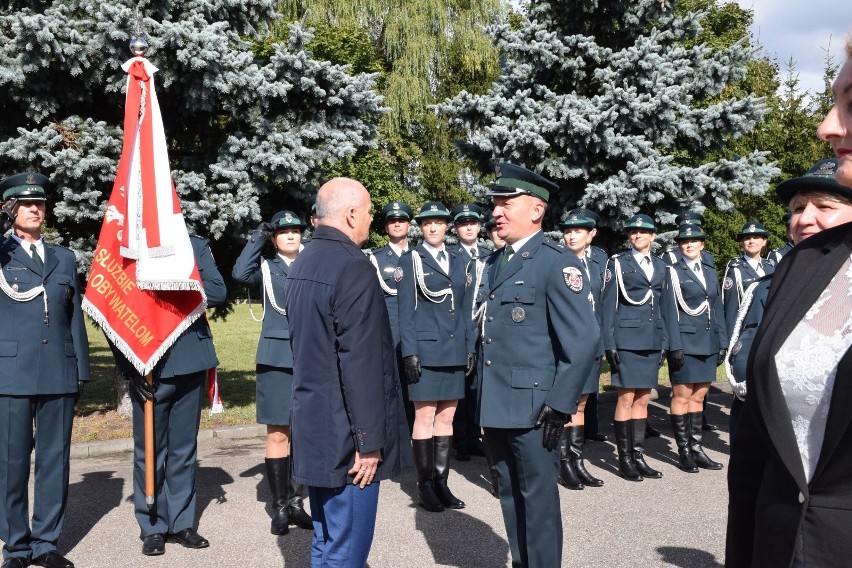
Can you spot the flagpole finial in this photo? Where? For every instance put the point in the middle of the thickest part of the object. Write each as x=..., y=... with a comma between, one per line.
x=138, y=43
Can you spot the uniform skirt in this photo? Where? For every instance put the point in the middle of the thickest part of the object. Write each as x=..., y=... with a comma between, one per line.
x=637, y=370
x=594, y=379
x=438, y=383
x=696, y=369
x=274, y=393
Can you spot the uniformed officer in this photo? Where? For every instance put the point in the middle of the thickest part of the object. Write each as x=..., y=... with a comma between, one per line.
x=577, y=236
x=179, y=380
x=44, y=363
x=634, y=337
x=698, y=342
x=274, y=360
x=467, y=222
x=538, y=347
x=491, y=231
x=745, y=269
x=397, y=216
x=599, y=256
x=437, y=337
x=776, y=254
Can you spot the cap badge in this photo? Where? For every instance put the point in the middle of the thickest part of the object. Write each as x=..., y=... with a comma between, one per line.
x=31, y=180
x=638, y=222
x=465, y=207
x=751, y=228
x=826, y=168
x=433, y=208
x=395, y=206
x=288, y=217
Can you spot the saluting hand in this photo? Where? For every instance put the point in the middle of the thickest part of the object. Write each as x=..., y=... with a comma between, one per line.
x=365, y=467
x=553, y=422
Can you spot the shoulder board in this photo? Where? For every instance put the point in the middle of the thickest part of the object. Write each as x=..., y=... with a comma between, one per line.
x=369, y=252
x=56, y=245
x=555, y=246
x=619, y=254
x=769, y=261
x=735, y=261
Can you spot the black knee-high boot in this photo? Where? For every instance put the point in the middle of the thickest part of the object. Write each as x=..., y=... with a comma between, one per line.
x=278, y=476
x=442, y=472
x=638, y=429
x=567, y=474
x=424, y=464
x=680, y=427
x=492, y=469
x=701, y=459
x=296, y=505
x=624, y=445
x=577, y=439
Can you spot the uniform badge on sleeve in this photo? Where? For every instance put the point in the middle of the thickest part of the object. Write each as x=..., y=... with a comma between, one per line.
x=607, y=275
x=397, y=274
x=573, y=278
x=728, y=284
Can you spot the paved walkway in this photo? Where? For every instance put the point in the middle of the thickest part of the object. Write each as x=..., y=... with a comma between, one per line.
x=676, y=521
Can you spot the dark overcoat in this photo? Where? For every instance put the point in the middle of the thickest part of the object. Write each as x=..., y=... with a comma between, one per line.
x=771, y=502
x=346, y=392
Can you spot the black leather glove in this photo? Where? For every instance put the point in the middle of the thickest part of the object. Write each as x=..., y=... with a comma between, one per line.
x=612, y=359
x=553, y=422
x=471, y=364
x=7, y=215
x=411, y=365
x=675, y=359
x=722, y=354
x=79, y=393
x=140, y=387
x=663, y=355
x=265, y=230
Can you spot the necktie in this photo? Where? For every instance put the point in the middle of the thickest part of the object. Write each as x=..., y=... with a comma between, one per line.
x=36, y=258
x=473, y=253
x=504, y=259
x=697, y=268
x=759, y=269
x=441, y=256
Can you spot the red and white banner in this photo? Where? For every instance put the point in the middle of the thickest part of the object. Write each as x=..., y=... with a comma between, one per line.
x=144, y=288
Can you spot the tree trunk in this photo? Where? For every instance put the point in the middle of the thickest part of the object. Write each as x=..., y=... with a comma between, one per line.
x=122, y=395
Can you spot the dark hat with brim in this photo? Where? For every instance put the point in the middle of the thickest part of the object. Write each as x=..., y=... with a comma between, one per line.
x=466, y=212
x=587, y=213
x=689, y=231
x=514, y=180
x=821, y=177
x=397, y=210
x=753, y=229
x=640, y=221
x=689, y=217
x=433, y=210
x=28, y=185
x=285, y=220
x=572, y=219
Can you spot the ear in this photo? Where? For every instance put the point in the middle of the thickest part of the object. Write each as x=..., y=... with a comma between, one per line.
x=537, y=211
x=350, y=217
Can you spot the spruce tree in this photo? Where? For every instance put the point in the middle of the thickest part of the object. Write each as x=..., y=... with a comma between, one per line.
x=610, y=100
x=252, y=124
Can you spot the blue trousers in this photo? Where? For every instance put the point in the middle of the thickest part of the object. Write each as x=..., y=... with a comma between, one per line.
x=529, y=495
x=52, y=416
x=177, y=409
x=344, y=523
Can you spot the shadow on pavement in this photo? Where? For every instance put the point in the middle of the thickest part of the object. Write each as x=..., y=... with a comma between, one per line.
x=688, y=557
x=83, y=512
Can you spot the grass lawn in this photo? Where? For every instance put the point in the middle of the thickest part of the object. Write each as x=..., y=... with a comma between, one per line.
x=236, y=342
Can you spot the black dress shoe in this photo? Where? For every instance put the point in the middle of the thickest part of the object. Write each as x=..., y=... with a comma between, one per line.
x=52, y=559
x=596, y=437
x=14, y=562
x=188, y=538
x=154, y=544
x=462, y=453
x=707, y=427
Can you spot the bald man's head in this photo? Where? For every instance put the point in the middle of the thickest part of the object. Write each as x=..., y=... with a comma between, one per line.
x=344, y=204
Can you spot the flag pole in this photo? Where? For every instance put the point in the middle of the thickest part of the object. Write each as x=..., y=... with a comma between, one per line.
x=149, y=447
x=139, y=45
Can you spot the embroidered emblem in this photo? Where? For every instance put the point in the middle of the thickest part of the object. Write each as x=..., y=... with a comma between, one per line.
x=607, y=275
x=397, y=274
x=518, y=314
x=728, y=284
x=573, y=278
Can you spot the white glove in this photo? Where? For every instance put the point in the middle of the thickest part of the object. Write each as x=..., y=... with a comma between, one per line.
x=739, y=389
